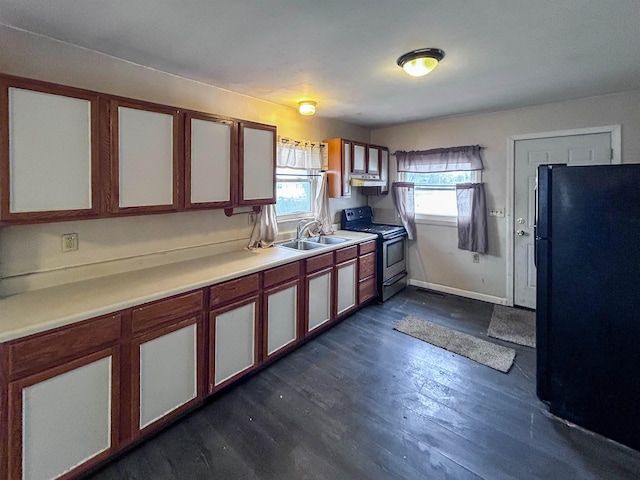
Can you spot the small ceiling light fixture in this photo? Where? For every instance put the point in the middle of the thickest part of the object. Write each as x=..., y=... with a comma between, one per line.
x=420, y=62
x=307, y=107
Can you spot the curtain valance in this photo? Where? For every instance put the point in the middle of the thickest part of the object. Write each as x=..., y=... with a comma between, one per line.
x=300, y=154
x=440, y=159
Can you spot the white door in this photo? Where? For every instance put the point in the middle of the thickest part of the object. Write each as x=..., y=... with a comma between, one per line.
x=588, y=149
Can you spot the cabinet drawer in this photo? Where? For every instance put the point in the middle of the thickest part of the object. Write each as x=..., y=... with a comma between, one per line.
x=233, y=290
x=367, y=265
x=367, y=289
x=281, y=274
x=42, y=351
x=347, y=253
x=157, y=313
x=367, y=247
x=319, y=262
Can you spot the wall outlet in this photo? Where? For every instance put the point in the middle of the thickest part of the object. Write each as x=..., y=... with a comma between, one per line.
x=476, y=258
x=496, y=212
x=69, y=242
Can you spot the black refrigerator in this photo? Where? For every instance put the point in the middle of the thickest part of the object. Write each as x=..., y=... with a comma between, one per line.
x=588, y=297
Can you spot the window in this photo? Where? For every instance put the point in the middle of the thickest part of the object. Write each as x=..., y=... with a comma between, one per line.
x=435, y=193
x=295, y=191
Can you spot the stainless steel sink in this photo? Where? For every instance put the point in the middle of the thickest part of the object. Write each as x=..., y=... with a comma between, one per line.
x=299, y=245
x=327, y=240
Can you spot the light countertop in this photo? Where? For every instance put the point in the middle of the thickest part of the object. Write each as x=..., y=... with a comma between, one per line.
x=48, y=308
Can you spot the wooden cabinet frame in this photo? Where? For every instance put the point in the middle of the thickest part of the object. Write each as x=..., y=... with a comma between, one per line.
x=233, y=157
x=6, y=216
x=242, y=125
x=257, y=324
x=178, y=173
x=135, y=375
x=265, y=316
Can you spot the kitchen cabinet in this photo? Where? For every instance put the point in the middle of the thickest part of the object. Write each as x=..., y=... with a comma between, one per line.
x=318, y=291
x=257, y=164
x=281, y=311
x=367, y=289
x=145, y=157
x=346, y=279
x=373, y=160
x=360, y=157
x=211, y=161
x=167, y=361
x=49, y=156
x=339, y=171
x=63, y=399
x=234, y=320
x=383, y=159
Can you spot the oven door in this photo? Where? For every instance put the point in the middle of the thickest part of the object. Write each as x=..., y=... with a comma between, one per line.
x=393, y=257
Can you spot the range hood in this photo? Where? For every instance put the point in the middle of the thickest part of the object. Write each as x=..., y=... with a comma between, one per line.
x=367, y=180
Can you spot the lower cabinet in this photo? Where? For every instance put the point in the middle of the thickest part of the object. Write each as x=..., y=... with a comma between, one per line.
x=167, y=358
x=281, y=308
x=72, y=397
x=63, y=401
x=233, y=349
x=367, y=288
x=319, y=291
x=346, y=280
x=165, y=371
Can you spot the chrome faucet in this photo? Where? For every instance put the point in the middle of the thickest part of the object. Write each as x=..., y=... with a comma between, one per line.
x=304, y=225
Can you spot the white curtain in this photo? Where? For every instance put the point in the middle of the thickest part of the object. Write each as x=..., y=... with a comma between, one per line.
x=321, y=211
x=403, y=198
x=472, y=217
x=300, y=154
x=265, y=230
x=453, y=159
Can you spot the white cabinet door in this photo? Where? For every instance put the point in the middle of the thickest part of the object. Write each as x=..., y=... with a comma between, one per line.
x=209, y=161
x=346, y=286
x=234, y=340
x=257, y=164
x=282, y=318
x=51, y=151
x=319, y=303
x=359, y=158
x=145, y=158
x=168, y=373
x=373, y=166
x=66, y=420
x=346, y=169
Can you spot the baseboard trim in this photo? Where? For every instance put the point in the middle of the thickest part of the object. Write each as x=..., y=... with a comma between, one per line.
x=457, y=291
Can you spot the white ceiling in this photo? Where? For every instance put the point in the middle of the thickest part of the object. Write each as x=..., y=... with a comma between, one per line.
x=500, y=54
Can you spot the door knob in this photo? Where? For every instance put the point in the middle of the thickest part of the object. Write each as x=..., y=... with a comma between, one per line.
x=521, y=233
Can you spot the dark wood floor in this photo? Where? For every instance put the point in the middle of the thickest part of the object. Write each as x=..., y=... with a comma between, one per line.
x=363, y=401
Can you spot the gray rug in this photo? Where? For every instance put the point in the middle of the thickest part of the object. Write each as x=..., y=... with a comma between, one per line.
x=481, y=351
x=514, y=325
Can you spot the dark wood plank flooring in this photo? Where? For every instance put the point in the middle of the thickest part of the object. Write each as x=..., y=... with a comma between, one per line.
x=362, y=401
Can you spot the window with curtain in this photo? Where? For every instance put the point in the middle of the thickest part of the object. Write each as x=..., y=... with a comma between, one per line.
x=435, y=174
x=298, y=166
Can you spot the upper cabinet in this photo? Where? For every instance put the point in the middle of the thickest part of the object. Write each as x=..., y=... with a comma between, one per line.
x=359, y=164
x=257, y=166
x=68, y=154
x=339, y=168
x=348, y=158
x=49, y=156
x=211, y=161
x=145, y=157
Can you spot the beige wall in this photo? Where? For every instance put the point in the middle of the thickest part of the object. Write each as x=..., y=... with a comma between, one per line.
x=434, y=259
x=146, y=240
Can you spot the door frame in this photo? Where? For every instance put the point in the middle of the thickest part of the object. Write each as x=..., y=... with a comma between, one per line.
x=616, y=158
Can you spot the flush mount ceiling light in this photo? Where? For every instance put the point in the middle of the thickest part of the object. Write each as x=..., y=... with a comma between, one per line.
x=420, y=62
x=307, y=107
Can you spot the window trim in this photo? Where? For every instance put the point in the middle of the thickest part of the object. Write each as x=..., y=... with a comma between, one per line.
x=441, y=220
x=295, y=178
